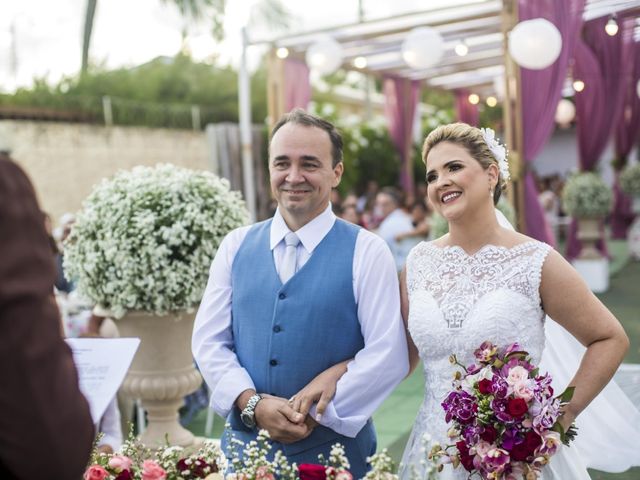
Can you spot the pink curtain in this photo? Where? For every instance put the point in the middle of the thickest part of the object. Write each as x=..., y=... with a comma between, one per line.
x=541, y=92
x=599, y=62
x=297, y=89
x=465, y=111
x=401, y=98
x=627, y=132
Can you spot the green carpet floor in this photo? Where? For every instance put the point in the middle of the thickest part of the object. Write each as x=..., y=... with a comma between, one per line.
x=396, y=415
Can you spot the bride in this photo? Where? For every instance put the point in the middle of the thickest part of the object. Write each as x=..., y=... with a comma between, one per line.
x=485, y=282
x=482, y=281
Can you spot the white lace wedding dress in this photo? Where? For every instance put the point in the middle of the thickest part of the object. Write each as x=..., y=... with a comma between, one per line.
x=457, y=301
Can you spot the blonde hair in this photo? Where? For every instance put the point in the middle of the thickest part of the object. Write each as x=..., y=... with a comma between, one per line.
x=471, y=139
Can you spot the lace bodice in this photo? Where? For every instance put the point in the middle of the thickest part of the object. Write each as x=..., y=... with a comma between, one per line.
x=457, y=301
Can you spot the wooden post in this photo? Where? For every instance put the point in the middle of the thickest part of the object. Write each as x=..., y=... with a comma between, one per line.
x=275, y=88
x=512, y=117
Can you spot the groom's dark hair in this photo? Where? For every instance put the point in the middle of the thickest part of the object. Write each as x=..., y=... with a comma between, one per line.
x=300, y=117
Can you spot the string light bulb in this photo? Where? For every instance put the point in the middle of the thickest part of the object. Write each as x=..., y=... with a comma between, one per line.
x=360, y=62
x=282, y=52
x=461, y=48
x=578, y=85
x=473, y=99
x=612, y=26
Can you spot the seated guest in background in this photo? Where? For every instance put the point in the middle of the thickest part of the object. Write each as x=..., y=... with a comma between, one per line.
x=46, y=430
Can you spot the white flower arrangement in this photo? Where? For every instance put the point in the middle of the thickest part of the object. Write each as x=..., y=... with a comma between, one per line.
x=630, y=180
x=145, y=238
x=585, y=195
x=498, y=150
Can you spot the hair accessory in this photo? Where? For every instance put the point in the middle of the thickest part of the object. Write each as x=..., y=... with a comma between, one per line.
x=498, y=150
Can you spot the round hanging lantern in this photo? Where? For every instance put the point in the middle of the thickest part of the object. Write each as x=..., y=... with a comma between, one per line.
x=565, y=112
x=324, y=55
x=535, y=44
x=423, y=47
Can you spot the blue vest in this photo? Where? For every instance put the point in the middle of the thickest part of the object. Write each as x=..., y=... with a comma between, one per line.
x=285, y=335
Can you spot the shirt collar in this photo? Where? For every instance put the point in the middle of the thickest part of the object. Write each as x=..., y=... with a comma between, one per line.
x=310, y=235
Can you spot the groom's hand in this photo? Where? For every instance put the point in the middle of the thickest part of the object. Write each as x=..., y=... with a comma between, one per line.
x=284, y=424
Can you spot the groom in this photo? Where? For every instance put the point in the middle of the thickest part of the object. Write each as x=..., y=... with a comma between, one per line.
x=289, y=297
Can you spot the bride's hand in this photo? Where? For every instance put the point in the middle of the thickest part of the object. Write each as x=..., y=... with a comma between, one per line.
x=320, y=390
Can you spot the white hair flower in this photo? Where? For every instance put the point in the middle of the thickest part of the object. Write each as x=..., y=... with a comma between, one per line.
x=498, y=150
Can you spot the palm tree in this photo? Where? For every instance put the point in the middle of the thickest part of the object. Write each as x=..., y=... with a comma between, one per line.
x=88, y=29
x=270, y=12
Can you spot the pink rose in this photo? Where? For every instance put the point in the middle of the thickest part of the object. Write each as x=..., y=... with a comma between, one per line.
x=95, y=472
x=482, y=448
x=152, y=471
x=522, y=390
x=119, y=463
x=517, y=374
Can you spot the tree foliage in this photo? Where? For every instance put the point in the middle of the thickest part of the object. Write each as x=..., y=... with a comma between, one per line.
x=158, y=93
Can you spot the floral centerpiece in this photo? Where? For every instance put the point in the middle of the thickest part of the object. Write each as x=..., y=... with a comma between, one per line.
x=135, y=461
x=503, y=416
x=585, y=195
x=630, y=180
x=145, y=238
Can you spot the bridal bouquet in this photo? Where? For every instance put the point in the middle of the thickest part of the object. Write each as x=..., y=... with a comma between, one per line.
x=503, y=416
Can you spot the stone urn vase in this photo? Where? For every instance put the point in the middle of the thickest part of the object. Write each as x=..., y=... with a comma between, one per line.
x=589, y=234
x=162, y=372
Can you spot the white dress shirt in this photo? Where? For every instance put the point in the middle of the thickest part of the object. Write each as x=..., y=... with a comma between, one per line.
x=375, y=370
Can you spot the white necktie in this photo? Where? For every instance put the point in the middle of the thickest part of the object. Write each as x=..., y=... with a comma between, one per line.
x=288, y=266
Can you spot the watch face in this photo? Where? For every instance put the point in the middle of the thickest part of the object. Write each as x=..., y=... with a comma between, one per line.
x=248, y=419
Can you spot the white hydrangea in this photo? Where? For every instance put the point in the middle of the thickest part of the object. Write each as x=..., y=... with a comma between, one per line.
x=145, y=238
x=498, y=150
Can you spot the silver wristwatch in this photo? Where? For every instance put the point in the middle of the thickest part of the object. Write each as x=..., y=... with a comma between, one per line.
x=248, y=415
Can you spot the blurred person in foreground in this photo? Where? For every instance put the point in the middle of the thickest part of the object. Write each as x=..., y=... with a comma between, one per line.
x=46, y=429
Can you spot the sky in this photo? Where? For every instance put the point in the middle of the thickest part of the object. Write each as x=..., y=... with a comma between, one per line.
x=43, y=38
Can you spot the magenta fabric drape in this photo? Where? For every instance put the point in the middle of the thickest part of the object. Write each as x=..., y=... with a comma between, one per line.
x=465, y=111
x=297, y=88
x=401, y=98
x=599, y=62
x=627, y=132
x=541, y=92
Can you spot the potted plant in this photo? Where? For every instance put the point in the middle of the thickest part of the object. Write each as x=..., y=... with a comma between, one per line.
x=630, y=184
x=141, y=248
x=588, y=199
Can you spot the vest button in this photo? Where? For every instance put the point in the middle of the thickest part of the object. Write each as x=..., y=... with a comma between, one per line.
x=273, y=362
x=282, y=296
x=277, y=328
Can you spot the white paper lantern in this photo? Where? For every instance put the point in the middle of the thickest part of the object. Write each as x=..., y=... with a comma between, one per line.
x=324, y=55
x=535, y=44
x=565, y=112
x=423, y=47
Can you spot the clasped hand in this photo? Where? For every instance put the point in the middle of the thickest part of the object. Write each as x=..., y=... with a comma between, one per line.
x=284, y=424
